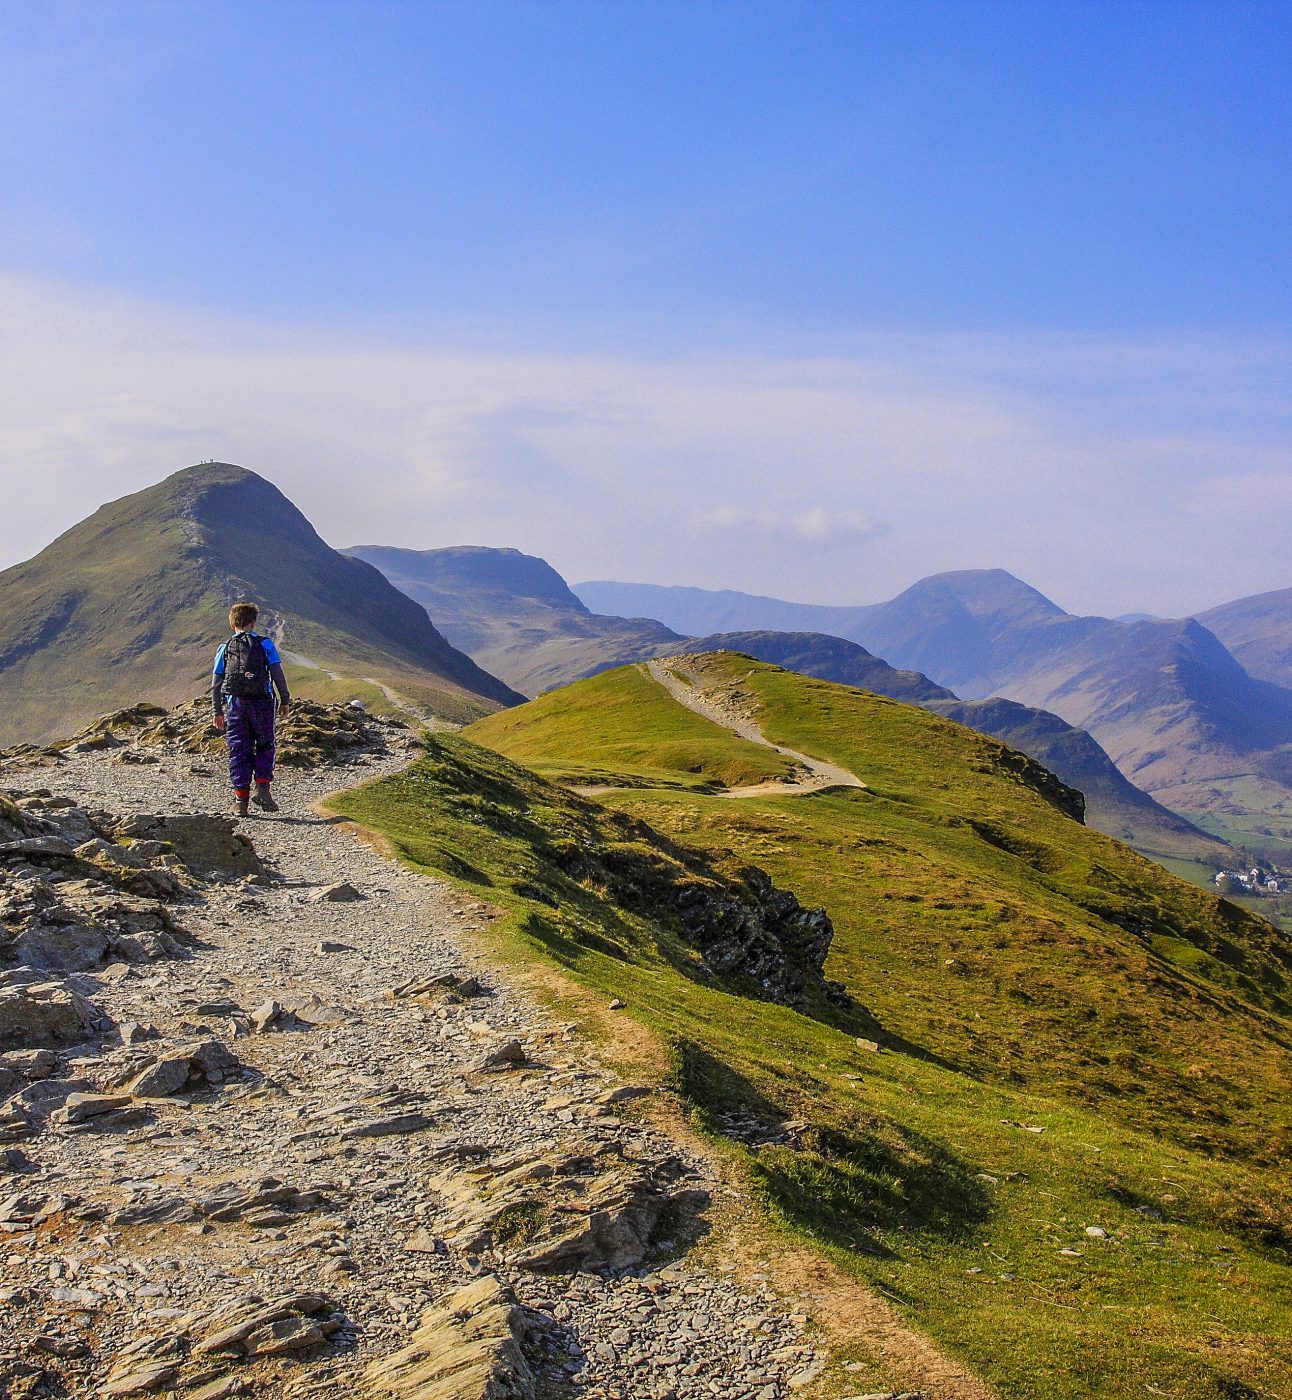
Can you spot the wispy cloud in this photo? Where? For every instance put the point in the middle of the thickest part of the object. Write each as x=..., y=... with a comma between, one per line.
x=1097, y=470
x=807, y=525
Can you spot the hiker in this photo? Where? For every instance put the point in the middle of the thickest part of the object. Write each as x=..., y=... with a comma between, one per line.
x=246, y=674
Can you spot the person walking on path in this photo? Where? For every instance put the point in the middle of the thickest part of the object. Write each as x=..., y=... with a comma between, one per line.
x=246, y=674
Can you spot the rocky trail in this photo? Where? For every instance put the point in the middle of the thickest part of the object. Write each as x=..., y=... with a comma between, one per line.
x=271, y=1128
x=730, y=707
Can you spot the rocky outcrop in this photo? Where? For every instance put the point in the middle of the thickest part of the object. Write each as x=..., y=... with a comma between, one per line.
x=309, y=736
x=556, y=1214
x=39, y=1013
x=468, y=1347
x=250, y=1328
x=752, y=936
x=766, y=937
x=208, y=846
x=77, y=892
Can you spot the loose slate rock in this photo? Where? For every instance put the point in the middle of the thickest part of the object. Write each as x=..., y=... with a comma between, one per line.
x=342, y=893
x=143, y=1380
x=78, y=1108
x=207, y=1062
x=229, y=1329
x=510, y=1055
x=43, y=1014
x=209, y=846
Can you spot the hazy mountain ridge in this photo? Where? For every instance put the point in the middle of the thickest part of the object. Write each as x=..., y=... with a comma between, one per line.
x=130, y=604
x=514, y=613
x=518, y=617
x=1258, y=632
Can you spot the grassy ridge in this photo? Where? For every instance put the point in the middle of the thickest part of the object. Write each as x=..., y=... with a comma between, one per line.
x=979, y=924
x=1009, y=926
x=611, y=728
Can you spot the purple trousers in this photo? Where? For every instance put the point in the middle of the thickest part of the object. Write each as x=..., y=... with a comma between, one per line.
x=249, y=729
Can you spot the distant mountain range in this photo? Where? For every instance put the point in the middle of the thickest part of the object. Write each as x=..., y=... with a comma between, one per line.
x=131, y=603
x=516, y=615
x=1176, y=712
x=954, y=627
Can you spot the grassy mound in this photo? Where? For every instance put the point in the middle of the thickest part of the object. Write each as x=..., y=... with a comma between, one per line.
x=612, y=729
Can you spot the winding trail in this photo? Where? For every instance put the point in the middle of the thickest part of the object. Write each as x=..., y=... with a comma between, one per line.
x=418, y=713
x=722, y=710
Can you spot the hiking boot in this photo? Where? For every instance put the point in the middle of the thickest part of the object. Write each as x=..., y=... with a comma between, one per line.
x=264, y=799
x=240, y=804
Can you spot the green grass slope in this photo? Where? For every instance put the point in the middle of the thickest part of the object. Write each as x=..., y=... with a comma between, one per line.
x=130, y=604
x=612, y=729
x=959, y=1175
x=1037, y=975
x=514, y=614
x=1114, y=805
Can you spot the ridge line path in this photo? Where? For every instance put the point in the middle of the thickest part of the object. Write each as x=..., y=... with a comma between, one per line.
x=352, y=1155
x=417, y=714
x=820, y=774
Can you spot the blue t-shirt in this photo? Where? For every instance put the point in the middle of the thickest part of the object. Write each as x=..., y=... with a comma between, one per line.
x=271, y=657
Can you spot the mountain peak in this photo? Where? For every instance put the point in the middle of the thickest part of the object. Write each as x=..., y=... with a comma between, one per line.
x=986, y=593
x=135, y=596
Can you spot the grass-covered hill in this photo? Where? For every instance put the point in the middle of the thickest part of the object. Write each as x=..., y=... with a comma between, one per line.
x=1114, y=805
x=1068, y=1162
x=514, y=614
x=829, y=659
x=131, y=603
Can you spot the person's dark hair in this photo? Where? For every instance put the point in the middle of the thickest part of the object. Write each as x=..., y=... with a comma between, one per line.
x=243, y=615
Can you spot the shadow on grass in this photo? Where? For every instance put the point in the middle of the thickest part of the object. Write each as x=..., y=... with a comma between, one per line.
x=567, y=946
x=852, y=1186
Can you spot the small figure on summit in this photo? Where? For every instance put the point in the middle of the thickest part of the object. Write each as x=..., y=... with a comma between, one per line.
x=246, y=674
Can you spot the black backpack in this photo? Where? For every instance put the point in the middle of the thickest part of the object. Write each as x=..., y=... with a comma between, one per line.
x=246, y=667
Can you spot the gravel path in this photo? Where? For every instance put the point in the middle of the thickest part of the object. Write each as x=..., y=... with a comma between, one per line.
x=732, y=711
x=399, y=1161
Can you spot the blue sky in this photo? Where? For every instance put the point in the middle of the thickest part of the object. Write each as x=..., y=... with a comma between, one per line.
x=1068, y=220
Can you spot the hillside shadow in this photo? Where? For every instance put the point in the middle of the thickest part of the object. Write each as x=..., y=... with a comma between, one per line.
x=850, y=1186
